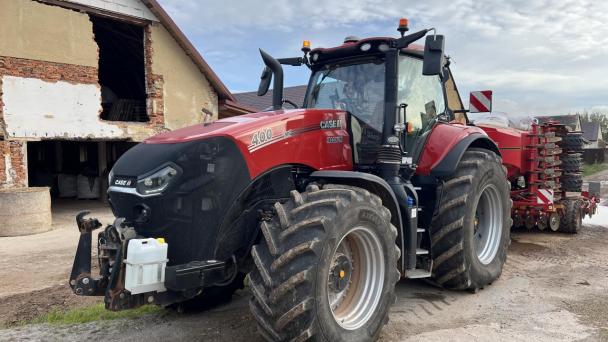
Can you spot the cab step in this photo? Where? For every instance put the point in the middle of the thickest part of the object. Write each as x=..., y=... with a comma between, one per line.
x=420, y=251
x=420, y=230
x=417, y=273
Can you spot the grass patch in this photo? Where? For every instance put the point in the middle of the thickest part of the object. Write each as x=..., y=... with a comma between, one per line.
x=93, y=313
x=589, y=169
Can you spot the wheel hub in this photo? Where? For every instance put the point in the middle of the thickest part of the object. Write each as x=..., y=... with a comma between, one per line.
x=554, y=221
x=340, y=273
x=487, y=224
x=355, y=278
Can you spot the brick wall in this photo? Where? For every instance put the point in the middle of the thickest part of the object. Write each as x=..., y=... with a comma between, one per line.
x=47, y=71
x=154, y=86
x=13, y=164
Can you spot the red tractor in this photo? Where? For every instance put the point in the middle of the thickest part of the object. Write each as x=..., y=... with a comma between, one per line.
x=379, y=176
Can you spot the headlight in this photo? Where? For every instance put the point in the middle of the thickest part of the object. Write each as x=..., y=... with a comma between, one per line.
x=157, y=182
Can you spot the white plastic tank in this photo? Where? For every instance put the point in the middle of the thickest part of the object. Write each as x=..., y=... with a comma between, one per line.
x=145, y=265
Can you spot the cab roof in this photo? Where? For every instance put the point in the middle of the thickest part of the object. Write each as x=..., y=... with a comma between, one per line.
x=354, y=48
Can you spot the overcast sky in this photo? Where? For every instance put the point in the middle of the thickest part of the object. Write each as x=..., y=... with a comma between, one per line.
x=539, y=56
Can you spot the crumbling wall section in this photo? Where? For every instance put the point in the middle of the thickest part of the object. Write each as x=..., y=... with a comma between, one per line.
x=56, y=45
x=40, y=70
x=154, y=86
x=13, y=164
x=52, y=49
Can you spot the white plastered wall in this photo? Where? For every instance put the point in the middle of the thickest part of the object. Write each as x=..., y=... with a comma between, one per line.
x=38, y=109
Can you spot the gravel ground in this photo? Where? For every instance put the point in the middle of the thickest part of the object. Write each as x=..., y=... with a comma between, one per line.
x=554, y=287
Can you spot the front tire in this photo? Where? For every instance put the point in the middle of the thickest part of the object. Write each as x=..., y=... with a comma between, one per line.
x=470, y=234
x=326, y=268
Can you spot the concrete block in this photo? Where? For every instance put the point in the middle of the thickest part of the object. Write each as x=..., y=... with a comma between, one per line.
x=25, y=211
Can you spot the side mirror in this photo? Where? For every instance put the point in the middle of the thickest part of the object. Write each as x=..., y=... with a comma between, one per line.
x=265, y=79
x=434, y=58
x=480, y=101
x=274, y=70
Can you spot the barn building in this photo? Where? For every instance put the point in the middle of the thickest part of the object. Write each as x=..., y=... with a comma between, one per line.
x=81, y=81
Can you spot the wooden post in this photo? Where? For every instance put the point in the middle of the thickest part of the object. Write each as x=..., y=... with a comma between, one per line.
x=103, y=169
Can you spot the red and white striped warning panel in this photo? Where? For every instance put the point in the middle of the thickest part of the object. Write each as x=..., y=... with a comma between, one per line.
x=480, y=101
x=544, y=196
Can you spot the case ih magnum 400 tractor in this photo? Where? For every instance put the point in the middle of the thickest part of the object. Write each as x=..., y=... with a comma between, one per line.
x=378, y=177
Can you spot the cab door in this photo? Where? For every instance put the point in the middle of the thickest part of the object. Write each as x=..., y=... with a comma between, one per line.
x=423, y=99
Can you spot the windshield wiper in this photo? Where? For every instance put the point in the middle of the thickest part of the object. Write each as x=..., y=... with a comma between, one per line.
x=318, y=85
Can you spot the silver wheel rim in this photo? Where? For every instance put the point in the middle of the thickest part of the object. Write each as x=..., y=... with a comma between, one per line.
x=355, y=304
x=554, y=222
x=487, y=224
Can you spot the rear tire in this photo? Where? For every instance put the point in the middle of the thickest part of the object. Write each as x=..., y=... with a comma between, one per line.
x=572, y=220
x=572, y=182
x=318, y=253
x=475, y=207
x=573, y=141
x=571, y=162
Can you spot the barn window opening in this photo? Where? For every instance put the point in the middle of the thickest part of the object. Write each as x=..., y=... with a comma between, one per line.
x=121, y=69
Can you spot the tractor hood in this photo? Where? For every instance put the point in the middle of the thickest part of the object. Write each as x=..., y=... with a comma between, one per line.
x=317, y=138
x=235, y=127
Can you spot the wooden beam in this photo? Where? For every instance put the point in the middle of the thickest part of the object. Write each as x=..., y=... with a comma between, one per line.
x=96, y=11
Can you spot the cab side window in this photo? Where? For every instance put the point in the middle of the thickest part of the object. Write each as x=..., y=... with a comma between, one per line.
x=454, y=101
x=422, y=94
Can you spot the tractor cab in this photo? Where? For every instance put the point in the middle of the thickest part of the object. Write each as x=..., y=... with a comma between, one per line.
x=358, y=84
x=390, y=87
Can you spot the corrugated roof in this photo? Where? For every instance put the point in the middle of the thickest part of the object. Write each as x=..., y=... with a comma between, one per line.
x=251, y=99
x=590, y=130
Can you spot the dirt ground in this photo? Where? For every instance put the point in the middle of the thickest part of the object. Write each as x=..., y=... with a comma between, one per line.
x=553, y=287
x=34, y=269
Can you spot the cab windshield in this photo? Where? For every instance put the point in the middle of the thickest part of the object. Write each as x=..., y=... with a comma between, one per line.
x=356, y=88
